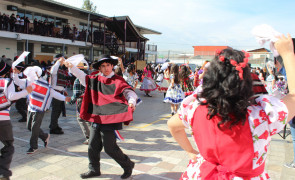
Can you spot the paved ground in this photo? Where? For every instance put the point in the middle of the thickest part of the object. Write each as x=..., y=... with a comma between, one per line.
x=147, y=142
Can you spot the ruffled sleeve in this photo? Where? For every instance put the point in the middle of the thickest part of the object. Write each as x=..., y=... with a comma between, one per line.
x=275, y=112
x=187, y=108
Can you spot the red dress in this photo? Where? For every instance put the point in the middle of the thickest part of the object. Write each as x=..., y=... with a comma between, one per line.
x=239, y=153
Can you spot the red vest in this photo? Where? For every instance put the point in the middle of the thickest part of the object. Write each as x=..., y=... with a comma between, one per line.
x=103, y=100
x=61, y=78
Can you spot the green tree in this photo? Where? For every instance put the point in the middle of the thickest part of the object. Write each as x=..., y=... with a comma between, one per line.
x=89, y=6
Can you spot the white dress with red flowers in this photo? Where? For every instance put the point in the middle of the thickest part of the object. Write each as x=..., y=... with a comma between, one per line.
x=266, y=118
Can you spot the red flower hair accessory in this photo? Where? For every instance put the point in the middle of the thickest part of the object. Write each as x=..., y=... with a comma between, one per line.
x=240, y=66
x=246, y=54
x=221, y=58
x=218, y=51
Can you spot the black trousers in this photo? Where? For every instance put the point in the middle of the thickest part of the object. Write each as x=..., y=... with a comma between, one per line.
x=34, y=125
x=6, y=137
x=21, y=106
x=57, y=109
x=107, y=139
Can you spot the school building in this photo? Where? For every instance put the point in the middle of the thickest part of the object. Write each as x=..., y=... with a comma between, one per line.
x=46, y=28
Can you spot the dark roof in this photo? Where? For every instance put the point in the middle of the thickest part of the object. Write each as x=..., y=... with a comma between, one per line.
x=259, y=50
x=144, y=30
x=117, y=25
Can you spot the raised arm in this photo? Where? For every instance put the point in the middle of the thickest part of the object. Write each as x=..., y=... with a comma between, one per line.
x=285, y=48
x=76, y=72
x=55, y=67
x=22, y=83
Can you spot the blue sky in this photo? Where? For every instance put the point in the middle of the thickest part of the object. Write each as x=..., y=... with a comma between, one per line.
x=187, y=23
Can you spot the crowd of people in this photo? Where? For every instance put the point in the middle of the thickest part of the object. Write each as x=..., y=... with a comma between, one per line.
x=224, y=103
x=23, y=24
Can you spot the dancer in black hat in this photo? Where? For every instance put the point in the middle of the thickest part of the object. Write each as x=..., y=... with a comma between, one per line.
x=108, y=102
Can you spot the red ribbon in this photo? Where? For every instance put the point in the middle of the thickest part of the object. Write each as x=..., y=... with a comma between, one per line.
x=211, y=171
x=240, y=66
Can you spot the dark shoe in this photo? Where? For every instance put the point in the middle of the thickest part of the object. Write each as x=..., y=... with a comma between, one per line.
x=31, y=151
x=56, y=131
x=290, y=165
x=46, y=141
x=172, y=113
x=149, y=95
x=127, y=172
x=90, y=174
x=22, y=120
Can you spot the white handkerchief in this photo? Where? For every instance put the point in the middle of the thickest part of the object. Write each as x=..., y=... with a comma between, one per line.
x=76, y=59
x=20, y=59
x=264, y=33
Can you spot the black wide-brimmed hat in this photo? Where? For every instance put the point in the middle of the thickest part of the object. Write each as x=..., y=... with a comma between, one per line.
x=4, y=68
x=104, y=58
x=56, y=57
x=20, y=67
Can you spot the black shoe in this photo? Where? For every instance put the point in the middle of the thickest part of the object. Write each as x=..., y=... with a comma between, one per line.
x=56, y=131
x=46, y=141
x=90, y=174
x=127, y=172
x=22, y=120
x=31, y=151
x=149, y=95
x=172, y=113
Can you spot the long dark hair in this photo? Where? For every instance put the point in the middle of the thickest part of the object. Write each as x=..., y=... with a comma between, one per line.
x=149, y=68
x=175, y=71
x=226, y=94
x=184, y=72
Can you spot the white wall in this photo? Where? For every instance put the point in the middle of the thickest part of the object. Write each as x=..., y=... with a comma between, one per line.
x=8, y=48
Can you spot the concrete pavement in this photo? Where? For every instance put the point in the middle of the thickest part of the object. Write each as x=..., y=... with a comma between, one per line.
x=147, y=142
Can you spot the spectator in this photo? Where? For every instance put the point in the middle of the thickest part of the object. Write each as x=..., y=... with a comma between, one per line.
x=17, y=24
x=22, y=25
x=1, y=21
x=27, y=25
x=35, y=26
x=12, y=21
x=5, y=21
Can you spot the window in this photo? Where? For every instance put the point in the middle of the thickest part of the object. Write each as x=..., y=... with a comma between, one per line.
x=84, y=51
x=53, y=49
x=37, y=16
x=97, y=52
x=20, y=47
x=21, y=13
x=82, y=26
x=29, y=14
x=50, y=19
x=61, y=21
